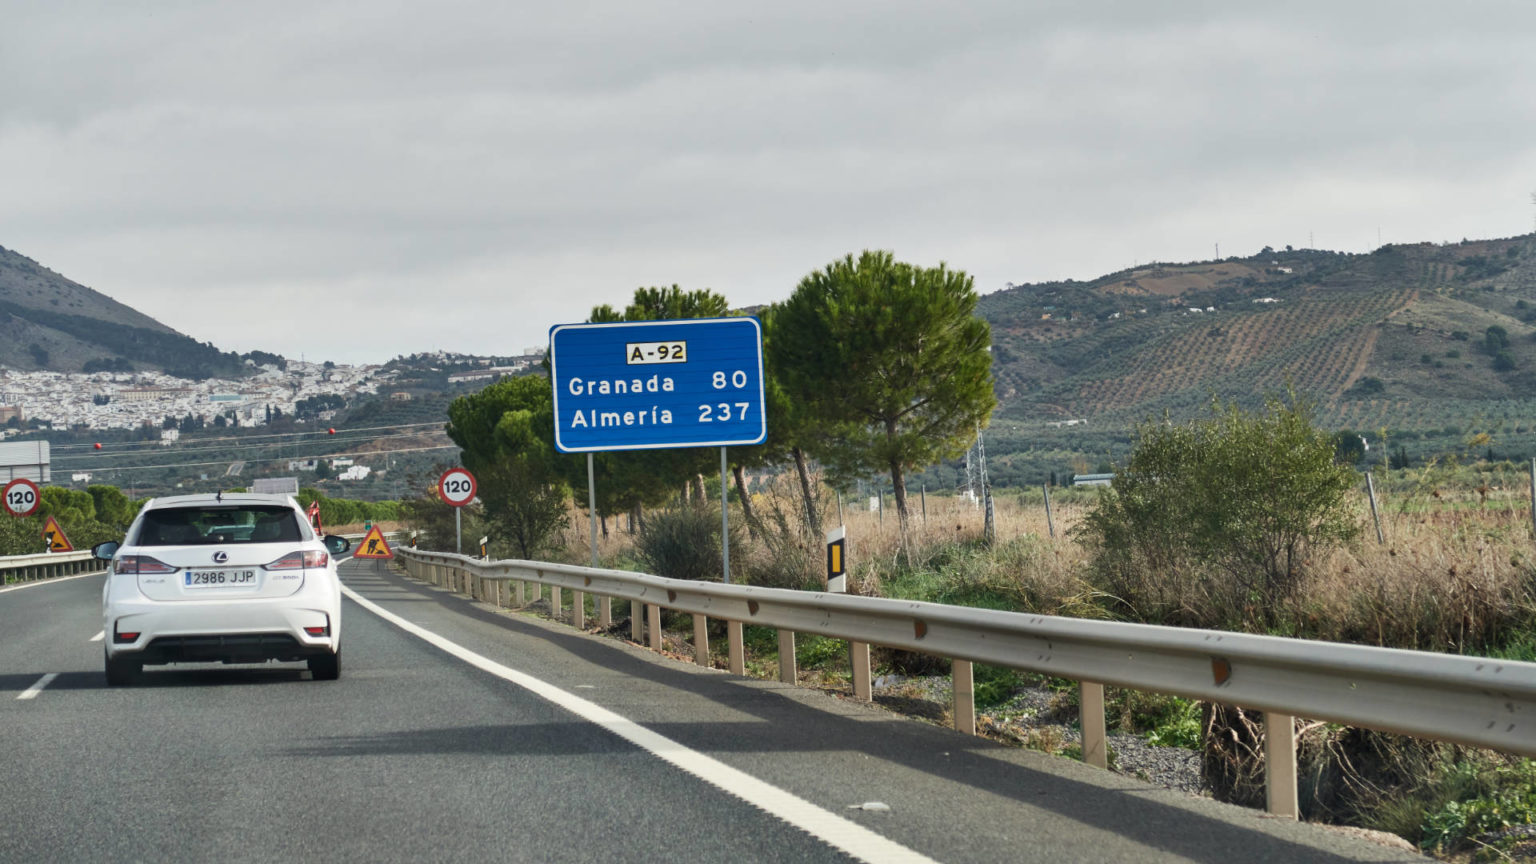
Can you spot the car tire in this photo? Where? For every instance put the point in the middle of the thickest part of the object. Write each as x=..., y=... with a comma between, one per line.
x=122, y=671
x=325, y=667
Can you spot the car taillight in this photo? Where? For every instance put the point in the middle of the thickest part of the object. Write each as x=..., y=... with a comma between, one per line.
x=140, y=565
x=299, y=561
x=122, y=637
x=317, y=631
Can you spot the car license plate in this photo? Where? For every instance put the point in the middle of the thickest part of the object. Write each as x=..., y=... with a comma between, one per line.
x=219, y=578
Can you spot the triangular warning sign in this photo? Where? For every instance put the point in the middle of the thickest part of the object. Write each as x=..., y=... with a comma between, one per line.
x=57, y=542
x=373, y=545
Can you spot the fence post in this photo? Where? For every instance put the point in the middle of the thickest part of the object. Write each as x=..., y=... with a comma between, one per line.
x=736, y=647
x=1049, y=522
x=965, y=696
x=861, y=683
x=1280, y=765
x=1370, y=489
x=1091, y=718
x=787, y=672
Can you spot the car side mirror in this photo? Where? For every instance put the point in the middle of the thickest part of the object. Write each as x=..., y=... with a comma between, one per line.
x=337, y=545
x=105, y=551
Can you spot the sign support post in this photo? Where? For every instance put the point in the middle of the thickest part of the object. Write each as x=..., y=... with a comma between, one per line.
x=592, y=505
x=457, y=489
x=725, y=521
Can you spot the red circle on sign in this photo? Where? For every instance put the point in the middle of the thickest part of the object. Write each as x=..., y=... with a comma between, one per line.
x=21, y=497
x=456, y=487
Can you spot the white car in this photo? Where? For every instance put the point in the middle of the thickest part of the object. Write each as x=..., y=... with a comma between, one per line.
x=229, y=578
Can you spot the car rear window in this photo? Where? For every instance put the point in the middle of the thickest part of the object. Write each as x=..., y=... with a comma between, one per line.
x=191, y=526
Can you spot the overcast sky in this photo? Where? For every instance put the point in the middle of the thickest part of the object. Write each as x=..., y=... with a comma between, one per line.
x=356, y=180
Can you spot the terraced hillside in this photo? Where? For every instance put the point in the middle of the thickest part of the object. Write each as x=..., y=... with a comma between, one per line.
x=1416, y=336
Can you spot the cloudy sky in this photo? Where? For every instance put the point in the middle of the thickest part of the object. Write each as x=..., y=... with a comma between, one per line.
x=356, y=180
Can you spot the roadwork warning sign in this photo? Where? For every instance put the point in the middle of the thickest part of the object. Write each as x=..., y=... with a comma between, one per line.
x=373, y=545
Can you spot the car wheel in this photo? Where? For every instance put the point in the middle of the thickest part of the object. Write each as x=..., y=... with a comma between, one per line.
x=325, y=667
x=122, y=670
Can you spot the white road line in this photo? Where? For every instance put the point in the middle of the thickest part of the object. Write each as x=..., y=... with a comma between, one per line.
x=37, y=687
x=850, y=837
x=100, y=635
x=53, y=581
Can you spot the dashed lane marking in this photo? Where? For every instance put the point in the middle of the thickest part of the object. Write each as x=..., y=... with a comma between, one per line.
x=37, y=686
x=850, y=837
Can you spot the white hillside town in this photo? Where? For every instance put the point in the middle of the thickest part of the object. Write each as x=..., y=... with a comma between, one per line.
x=131, y=400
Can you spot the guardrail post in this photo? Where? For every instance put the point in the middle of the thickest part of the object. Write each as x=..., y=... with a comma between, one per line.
x=965, y=697
x=736, y=647
x=1090, y=715
x=605, y=612
x=518, y=590
x=653, y=623
x=555, y=601
x=859, y=656
x=1280, y=765
x=496, y=593
x=579, y=610
x=787, y=671
x=636, y=621
x=700, y=639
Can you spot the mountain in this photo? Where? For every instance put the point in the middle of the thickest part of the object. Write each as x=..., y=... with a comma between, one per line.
x=49, y=322
x=1420, y=337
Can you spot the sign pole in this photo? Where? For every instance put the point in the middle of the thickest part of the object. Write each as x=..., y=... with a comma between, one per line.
x=592, y=504
x=725, y=520
x=458, y=530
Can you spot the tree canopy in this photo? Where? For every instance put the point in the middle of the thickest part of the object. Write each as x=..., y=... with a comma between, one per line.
x=892, y=360
x=506, y=432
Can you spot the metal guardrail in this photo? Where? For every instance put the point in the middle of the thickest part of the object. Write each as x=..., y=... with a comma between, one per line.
x=1468, y=700
x=30, y=568
x=50, y=565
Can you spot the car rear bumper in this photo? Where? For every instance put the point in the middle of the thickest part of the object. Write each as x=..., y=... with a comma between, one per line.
x=244, y=631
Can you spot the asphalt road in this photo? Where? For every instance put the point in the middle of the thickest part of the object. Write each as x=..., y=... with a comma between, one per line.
x=425, y=751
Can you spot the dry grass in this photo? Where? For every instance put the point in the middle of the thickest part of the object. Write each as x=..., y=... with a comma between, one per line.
x=1455, y=573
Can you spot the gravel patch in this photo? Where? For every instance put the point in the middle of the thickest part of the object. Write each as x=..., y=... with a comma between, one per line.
x=1044, y=720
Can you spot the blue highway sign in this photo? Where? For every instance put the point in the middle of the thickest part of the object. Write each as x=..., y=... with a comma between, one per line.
x=647, y=385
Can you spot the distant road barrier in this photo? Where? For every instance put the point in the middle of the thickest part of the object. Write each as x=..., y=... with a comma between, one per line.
x=1468, y=700
x=30, y=568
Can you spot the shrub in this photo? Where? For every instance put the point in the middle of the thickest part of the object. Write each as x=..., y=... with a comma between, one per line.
x=683, y=543
x=1231, y=506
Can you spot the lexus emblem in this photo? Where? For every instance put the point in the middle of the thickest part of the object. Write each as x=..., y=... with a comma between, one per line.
x=220, y=557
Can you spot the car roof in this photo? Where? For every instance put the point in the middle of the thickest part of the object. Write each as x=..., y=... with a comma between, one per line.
x=220, y=499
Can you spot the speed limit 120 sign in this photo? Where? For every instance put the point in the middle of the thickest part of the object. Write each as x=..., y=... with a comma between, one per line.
x=456, y=487
x=21, y=497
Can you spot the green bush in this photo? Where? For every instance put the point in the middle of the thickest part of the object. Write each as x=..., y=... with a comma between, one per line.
x=683, y=543
x=1211, y=523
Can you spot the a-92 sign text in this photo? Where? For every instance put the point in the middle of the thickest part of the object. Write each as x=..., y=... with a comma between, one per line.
x=655, y=384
